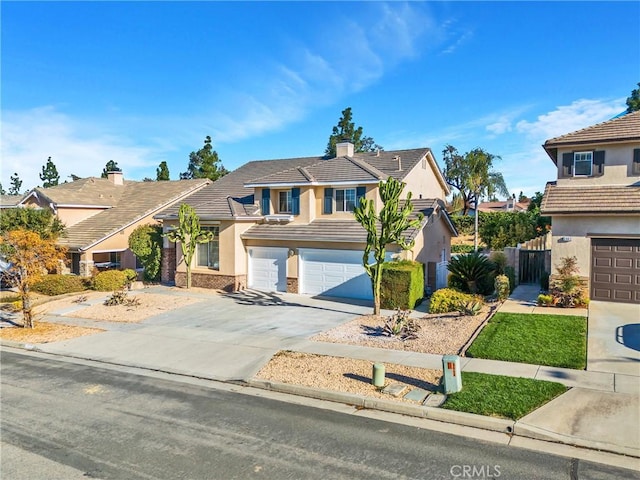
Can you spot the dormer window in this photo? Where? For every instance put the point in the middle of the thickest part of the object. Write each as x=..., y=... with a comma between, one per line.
x=284, y=204
x=345, y=200
x=582, y=162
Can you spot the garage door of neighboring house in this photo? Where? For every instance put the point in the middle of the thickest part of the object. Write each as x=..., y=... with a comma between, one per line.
x=615, y=270
x=334, y=273
x=268, y=269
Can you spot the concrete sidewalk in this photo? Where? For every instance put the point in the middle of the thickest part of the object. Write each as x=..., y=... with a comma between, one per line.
x=230, y=337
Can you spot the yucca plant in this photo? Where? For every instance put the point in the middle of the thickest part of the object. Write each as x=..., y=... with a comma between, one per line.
x=471, y=269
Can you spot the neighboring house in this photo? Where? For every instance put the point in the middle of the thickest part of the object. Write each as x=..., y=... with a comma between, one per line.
x=100, y=213
x=10, y=201
x=509, y=205
x=288, y=225
x=595, y=205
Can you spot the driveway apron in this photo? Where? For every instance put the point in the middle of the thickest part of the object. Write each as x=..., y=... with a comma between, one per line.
x=223, y=337
x=614, y=338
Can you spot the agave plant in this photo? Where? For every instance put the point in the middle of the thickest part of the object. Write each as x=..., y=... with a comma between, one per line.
x=471, y=268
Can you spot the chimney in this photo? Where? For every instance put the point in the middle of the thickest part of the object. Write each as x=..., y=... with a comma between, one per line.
x=344, y=149
x=399, y=160
x=115, y=177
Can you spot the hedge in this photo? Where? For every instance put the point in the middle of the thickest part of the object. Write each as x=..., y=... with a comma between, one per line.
x=402, y=285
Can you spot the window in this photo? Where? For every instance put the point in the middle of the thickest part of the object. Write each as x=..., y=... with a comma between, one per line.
x=284, y=202
x=208, y=254
x=345, y=200
x=582, y=162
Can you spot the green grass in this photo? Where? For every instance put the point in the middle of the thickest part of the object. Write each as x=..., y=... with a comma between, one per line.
x=500, y=396
x=553, y=340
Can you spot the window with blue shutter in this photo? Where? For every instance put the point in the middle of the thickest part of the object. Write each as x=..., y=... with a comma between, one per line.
x=328, y=201
x=635, y=169
x=598, y=163
x=265, y=204
x=295, y=201
x=360, y=193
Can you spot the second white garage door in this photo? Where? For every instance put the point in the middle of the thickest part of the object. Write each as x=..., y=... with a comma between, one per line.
x=268, y=269
x=334, y=273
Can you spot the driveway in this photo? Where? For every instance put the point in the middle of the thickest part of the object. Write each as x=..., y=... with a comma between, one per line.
x=614, y=338
x=223, y=337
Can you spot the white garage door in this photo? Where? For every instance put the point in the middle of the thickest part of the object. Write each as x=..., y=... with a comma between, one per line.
x=334, y=273
x=268, y=269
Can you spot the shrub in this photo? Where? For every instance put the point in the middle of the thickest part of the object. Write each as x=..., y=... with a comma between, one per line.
x=510, y=272
x=456, y=283
x=448, y=300
x=472, y=307
x=402, y=285
x=502, y=287
x=506, y=229
x=110, y=280
x=120, y=297
x=461, y=248
x=465, y=224
x=545, y=300
x=130, y=274
x=567, y=288
x=59, y=284
x=499, y=260
x=472, y=269
x=400, y=325
x=146, y=243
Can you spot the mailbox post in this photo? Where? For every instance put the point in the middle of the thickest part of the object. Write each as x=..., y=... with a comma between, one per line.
x=452, y=375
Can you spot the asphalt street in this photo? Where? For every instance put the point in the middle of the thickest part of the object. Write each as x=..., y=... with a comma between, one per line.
x=66, y=420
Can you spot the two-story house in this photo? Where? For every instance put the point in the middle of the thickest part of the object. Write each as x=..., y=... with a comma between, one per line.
x=288, y=225
x=99, y=214
x=595, y=205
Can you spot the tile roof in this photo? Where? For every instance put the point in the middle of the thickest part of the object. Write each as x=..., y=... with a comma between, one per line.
x=590, y=199
x=349, y=231
x=618, y=129
x=10, y=201
x=127, y=203
x=229, y=196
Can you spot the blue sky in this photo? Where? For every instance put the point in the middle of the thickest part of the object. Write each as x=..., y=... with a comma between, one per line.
x=139, y=83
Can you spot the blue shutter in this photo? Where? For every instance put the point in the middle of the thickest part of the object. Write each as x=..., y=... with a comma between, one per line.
x=295, y=201
x=598, y=163
x=265, y=205
x=328, y=200
x=360, y=193
x=567, y=164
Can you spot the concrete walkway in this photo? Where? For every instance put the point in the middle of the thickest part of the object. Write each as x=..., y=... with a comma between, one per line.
x=230, y=337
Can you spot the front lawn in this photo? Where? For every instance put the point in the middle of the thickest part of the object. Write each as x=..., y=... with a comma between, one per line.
x=553, y=340
x=500, y=396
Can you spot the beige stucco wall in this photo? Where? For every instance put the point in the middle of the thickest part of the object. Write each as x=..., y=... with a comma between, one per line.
x=618, y=162
x=578, y=227
x=422, y=182
x=68, y=216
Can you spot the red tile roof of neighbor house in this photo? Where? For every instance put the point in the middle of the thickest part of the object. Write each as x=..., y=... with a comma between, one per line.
x=620, y=129
x=590, y=199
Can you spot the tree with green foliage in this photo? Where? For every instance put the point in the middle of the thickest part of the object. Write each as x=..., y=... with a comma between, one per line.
x=204, y=163
x=633, y=101
x=2, y=190
x=49, y=175
x=41, y=221
x=162, y=172
x=111, y=166
x=16, y=184
x=346, y=130
x=473, y=176
x=189, y=234
x=385, y=228
x=146, y=244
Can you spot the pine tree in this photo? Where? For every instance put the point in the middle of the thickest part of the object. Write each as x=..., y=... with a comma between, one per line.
x=347, y=131
x=204, y=163
x=16, y=185
x=633, y=101
x=111, y=166
x=49, y=175
x=162, y=172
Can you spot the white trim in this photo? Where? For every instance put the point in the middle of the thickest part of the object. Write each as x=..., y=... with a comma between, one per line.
x=114, y=250
x=588, y=153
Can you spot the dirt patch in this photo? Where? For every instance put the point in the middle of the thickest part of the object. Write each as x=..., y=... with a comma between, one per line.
x=442, y=334
x=344, y=374
x=44, y=332
x=150, y=304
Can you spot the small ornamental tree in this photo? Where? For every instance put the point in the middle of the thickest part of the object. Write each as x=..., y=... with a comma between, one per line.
x=146, y=244
x=30, y=256
x=385, y=228
x=49, y=175
x=189, y=234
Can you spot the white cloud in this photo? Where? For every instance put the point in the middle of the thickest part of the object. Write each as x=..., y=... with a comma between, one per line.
x=499, y=127
x=569, y=118
x=30, y=137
